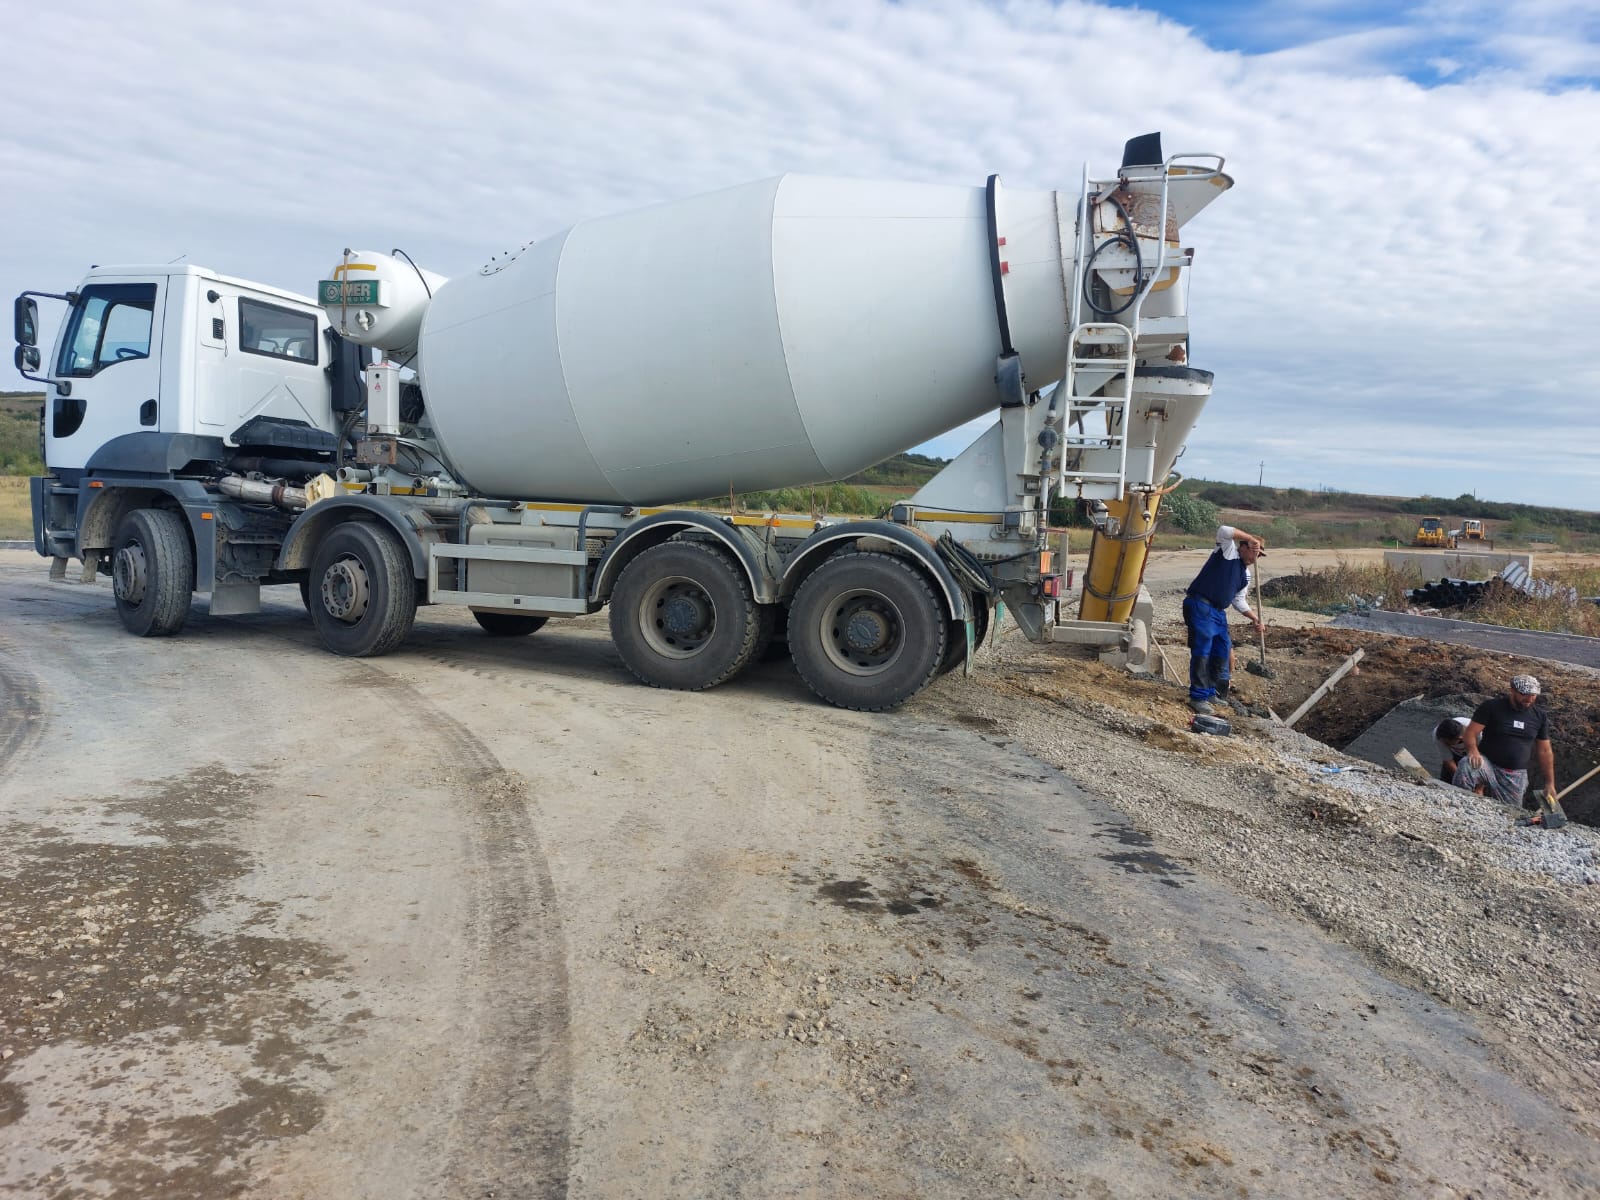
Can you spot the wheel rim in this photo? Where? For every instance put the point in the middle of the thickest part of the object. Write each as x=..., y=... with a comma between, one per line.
x=346, y=590
x=677, y=617
x=129, y=575
x=862, y=632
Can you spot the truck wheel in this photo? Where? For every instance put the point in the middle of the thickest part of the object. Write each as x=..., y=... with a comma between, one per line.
x=772, y=639
x=363, y=598
x=866, y=631
x=152, y=572
x=683, y=617
x=501, y=624
x=955, y=651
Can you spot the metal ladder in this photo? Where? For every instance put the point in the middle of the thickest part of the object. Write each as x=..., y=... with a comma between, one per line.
x=1086, y=375
x=1080, y=392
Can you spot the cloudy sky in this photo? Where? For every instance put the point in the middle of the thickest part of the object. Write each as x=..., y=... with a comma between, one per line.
x=1397, y=296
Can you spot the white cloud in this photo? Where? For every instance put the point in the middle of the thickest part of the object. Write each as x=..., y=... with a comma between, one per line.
x=1396, y=292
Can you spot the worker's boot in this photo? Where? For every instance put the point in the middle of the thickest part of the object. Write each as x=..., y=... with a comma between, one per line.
x=1203, y=707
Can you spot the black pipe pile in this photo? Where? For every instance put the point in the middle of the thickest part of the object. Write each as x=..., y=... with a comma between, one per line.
x=1450, y=593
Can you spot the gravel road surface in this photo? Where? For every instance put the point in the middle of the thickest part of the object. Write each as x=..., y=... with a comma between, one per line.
x=489, y=918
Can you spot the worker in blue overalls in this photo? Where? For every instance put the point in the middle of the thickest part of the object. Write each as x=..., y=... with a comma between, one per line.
x=1223, y=583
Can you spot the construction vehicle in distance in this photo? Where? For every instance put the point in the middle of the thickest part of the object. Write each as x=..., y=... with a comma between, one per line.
x=1472, y=531
x=525, y=444
x=1431, y=531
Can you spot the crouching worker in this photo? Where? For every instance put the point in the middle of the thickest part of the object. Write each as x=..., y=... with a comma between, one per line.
x=1450, y=735
x=1503, y=735
x=1223, y=583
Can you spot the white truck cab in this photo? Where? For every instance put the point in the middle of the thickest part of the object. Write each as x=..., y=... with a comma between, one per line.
x=181, y=351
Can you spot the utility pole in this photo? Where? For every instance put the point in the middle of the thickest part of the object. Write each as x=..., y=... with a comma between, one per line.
x=1263, y=473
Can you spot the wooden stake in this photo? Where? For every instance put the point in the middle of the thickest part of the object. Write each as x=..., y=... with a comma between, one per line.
x=1327, y=686
x=1167, y=670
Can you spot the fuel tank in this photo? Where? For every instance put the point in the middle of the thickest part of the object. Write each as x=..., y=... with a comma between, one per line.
x=787, y=331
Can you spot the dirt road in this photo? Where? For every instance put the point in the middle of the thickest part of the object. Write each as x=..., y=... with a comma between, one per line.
x=488, y=918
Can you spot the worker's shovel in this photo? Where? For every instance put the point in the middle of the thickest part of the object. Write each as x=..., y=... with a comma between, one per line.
x=1550, y=814
x=1261, y=667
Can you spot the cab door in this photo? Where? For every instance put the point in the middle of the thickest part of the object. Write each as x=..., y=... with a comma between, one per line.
x=107, y=374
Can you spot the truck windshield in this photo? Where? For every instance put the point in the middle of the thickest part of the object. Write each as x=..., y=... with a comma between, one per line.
x=111, y=323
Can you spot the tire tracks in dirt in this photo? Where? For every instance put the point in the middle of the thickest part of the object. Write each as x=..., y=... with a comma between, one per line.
x=511, y=1137
x=22, y=717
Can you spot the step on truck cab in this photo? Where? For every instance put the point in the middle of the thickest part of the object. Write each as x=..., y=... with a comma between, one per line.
x=526, y=441
x=165, y=380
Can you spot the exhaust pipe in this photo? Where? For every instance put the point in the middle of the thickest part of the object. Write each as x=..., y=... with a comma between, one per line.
x=256, y=491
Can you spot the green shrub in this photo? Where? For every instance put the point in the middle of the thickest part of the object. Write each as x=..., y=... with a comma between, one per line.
x=1190, y=513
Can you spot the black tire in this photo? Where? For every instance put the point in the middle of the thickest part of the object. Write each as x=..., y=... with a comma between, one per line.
x=955, y=651
x=363, y=595
x=152, y=572
x=503, y=624
x=683, y=617
x=305, y=593
x=867, y=632
x=772, y=642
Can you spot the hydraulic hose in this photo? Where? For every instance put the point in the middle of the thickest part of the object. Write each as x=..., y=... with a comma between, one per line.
x=1127, y=237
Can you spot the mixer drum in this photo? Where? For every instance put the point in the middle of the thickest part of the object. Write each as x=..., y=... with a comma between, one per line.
x=794, y=330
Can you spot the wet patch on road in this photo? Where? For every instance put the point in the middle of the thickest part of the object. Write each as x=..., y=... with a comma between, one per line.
x=857, y=895
x=116, y=997
x=1141, y=860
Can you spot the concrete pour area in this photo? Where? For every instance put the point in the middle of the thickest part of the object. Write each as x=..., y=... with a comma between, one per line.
x=1404, y=685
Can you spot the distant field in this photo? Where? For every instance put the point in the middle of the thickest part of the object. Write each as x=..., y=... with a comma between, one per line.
x=19, y=433
x=1336, y=519
x=16, y=518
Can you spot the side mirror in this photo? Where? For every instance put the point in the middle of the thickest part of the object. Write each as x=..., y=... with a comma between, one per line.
x=26, y=320
x=27, y=359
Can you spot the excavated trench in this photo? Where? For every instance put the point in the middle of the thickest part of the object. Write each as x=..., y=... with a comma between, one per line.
x=1403, y=685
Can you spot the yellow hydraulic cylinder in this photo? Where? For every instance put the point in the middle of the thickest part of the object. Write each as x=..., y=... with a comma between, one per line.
x=1116, y=559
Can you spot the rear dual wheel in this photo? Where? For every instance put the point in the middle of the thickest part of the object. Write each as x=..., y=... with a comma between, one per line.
x=955, y=651
x=867, y=632
x=683, y=617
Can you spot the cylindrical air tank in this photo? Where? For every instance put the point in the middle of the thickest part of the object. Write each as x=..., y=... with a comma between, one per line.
x=788, y=331
x=381, y=300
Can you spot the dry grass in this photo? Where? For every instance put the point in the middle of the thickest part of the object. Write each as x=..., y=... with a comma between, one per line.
x=16, y=517
x=1331, y=587
x=1556, y=614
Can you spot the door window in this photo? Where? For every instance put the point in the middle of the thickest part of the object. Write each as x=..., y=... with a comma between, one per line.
x=277, y=332
x=110, y=323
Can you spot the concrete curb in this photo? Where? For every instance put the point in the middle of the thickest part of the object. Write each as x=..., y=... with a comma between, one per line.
x=1570, y=648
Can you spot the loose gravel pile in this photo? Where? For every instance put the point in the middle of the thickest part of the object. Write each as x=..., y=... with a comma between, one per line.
x=1438, y=888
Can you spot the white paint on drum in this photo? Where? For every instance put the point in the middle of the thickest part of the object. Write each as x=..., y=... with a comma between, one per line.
x=782, y=332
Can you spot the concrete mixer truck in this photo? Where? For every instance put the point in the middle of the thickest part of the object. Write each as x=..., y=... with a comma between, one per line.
x=523, y=440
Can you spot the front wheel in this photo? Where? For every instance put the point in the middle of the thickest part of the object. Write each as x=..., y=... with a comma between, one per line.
x=867, y=631
x=362, y=594
x=683, y=617
x=152, y=572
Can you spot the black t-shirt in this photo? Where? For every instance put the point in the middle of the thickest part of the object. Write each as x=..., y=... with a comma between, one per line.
x=1509, y=733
